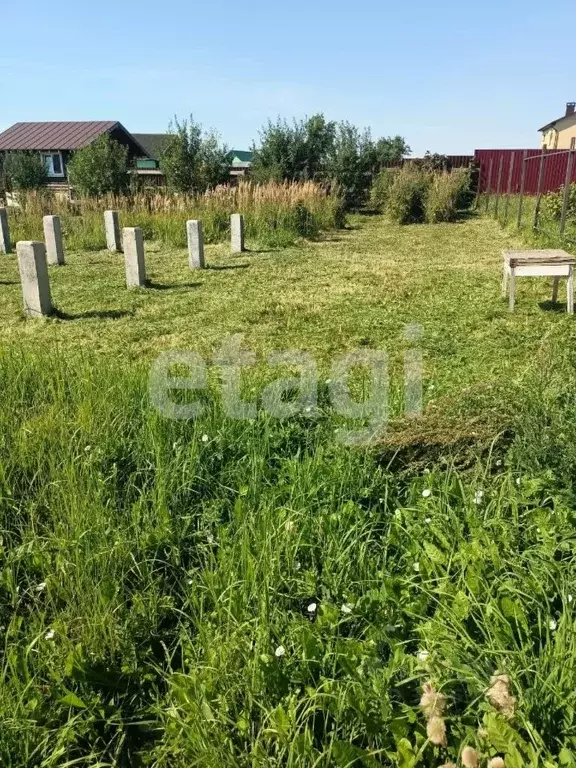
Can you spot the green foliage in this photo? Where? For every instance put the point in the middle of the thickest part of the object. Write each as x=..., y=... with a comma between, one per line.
x=324, y=151
x=553, y=202
x=101, y=168
x=446, y=195
x=25, y=171
x=381, y=188
x=351, y=164
x=406, y=198
x=296, y=152
x=192, y=160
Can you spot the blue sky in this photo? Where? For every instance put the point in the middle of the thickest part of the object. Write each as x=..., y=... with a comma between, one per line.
x=448, y=76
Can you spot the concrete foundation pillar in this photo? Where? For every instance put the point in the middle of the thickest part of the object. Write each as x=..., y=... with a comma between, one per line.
x=112, y=227
x=53, y=240
x=34, y=278
x=5, y=246
x=134, y=257
x=237, y=232
x=195, y=235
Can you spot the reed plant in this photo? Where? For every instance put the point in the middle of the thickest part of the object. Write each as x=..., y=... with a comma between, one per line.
x=276, y=213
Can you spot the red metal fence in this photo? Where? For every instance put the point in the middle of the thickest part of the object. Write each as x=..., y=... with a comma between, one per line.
x=496, y=165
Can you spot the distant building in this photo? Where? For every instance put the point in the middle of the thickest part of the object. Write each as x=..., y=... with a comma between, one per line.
x=56, y=142
x=148, y=168
x=240, y=162
x=560, y=132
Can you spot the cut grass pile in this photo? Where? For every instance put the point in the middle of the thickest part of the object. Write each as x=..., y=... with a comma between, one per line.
x=253, y=593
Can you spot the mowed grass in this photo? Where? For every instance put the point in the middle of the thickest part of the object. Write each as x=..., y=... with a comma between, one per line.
x=254, y=593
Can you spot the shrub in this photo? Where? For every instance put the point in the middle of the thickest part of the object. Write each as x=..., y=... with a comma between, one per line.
x=193, y=161
x=101, y=168
x=381, y=188
x=447, y=194
x=553, y=202
x=25, y=171
x=406, y=199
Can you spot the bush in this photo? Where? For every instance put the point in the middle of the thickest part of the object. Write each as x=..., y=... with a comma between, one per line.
x=406, y=199
x=193, y=161
x=381, y=188
x=101, y=168
x=553, y=202
x=25, y=171
x=447, y=194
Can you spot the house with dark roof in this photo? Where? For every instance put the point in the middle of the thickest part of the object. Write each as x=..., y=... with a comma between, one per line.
x=57, y=141
x=560, y=133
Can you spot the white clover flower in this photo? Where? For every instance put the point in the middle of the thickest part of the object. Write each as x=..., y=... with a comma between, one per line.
x=40, y=587
x=308, y=408
x=210, y=539
x=50, y=635
x=517, y=481
x=189, y=581
x=347, y=608
x=553, y=625
x=426, y=493
x=478, y=497
x=205, y=438
x=289, y=525
x=416, y=567
x=280, y=651
x=88, y=448
x=312, y=608
x=423, y=656
x=499, y=462
x=427, y=519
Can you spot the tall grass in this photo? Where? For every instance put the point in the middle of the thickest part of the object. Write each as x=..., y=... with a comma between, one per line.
x=275, y=214
x=178, y=594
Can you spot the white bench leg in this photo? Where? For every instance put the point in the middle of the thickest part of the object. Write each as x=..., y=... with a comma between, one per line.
x=570, y=289
x=555, y=290
x=504, y=281
x=512, y=289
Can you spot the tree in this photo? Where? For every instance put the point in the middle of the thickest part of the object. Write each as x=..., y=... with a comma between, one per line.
x=320, y=150
x=296, y=152
x=25, y=171
x=193, y=161
x=100, y=168
x=390, y=150
x=351, y=163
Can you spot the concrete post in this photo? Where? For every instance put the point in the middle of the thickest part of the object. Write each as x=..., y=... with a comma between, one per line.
x=134, y=257
x=195, y=236
x=5, y=246
x=112, y=227
x=34, y=278
x=53, y=240
x=237, y=232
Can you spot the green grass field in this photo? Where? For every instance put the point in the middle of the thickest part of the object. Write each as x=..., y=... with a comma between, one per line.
x=254, y=593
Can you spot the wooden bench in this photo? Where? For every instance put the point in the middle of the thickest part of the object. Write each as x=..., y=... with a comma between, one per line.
x=544, y=263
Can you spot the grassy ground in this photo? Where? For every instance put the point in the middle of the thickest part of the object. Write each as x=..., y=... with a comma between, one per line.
x=253, y=593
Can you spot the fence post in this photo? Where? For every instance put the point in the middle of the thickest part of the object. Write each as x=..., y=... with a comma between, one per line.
x=540, y=185
x=498, y=186
x=488, y=183
x=522, y=184
x=509, y=187
x=567, y=182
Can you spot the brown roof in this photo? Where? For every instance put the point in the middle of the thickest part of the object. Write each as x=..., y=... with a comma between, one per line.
x=53, y=135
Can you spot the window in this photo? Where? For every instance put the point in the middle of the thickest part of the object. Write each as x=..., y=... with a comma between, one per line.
x=53, y=163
